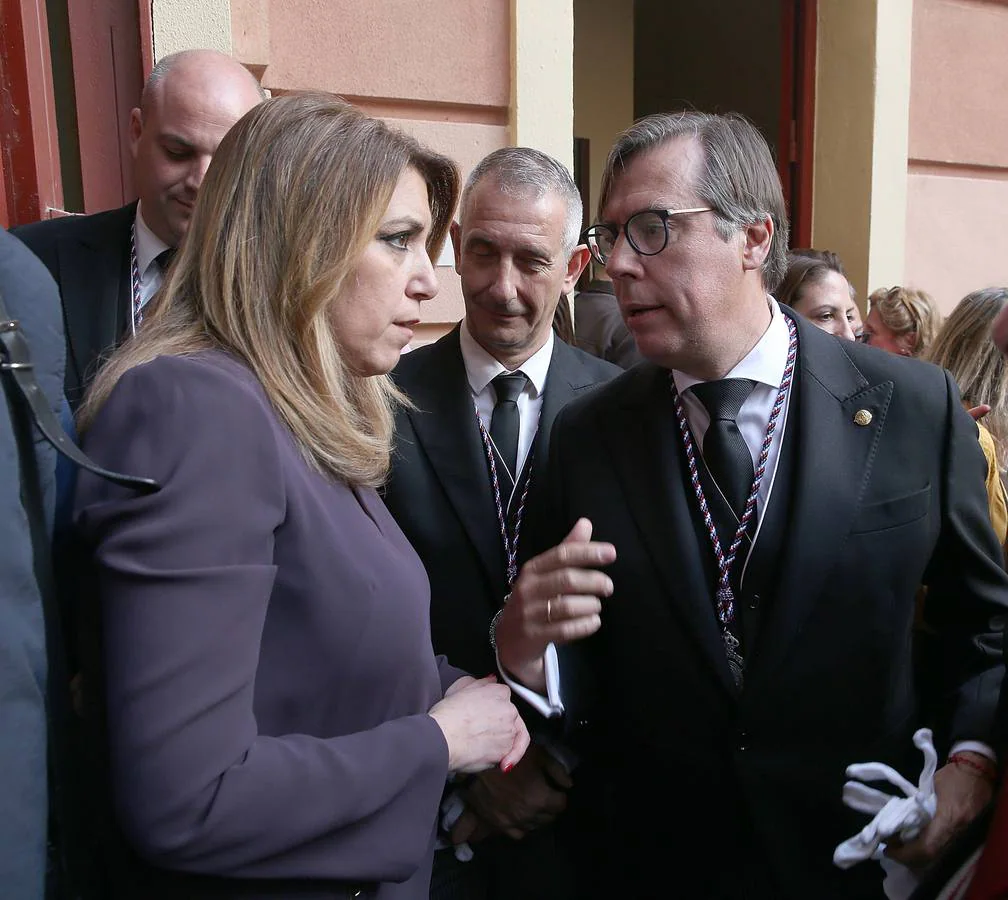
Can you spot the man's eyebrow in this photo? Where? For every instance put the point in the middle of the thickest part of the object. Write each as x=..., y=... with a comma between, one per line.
x=168, y=137
x=520, y=250
x=534, y=250
x=655, y=205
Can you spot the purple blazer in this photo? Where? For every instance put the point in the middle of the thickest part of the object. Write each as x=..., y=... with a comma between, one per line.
x=267, y=647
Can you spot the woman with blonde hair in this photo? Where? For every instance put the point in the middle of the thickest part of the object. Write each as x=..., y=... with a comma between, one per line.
x=277, y=722
x=901, y=320
x=965, y=348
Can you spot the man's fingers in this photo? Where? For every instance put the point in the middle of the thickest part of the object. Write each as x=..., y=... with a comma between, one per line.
x=572, y=626
x=915, y=855
x=575, y=630
x=563, y=607
x=573, y=555
x=537, y=590
x=581, y=532
x=556, y=774
x=562, y=618
x=464, y=827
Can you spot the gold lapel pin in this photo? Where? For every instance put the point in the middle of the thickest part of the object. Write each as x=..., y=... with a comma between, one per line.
x=862, y=417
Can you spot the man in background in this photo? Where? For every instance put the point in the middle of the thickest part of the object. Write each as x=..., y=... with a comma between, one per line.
x=599, y=328
x=108, y=265
x=467, y=473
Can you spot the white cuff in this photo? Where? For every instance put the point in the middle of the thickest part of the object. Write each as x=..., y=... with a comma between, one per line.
x=551, y=705
x=974, y=747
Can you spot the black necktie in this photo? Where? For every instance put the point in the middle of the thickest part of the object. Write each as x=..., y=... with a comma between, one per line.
x=504, y=423
x=164, y=258
x=724, y=449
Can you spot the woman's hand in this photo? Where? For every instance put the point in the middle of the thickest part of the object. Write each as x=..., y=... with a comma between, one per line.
x=458, y=685
x=481, y=726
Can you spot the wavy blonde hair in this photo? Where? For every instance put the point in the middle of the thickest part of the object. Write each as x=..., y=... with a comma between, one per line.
x=292, y=198
x=964, y=346
x=908, y=311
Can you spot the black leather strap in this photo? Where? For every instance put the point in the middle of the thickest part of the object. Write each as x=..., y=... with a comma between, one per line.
x=15, y=361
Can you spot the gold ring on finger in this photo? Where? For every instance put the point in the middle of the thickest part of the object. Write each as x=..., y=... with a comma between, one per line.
x=549, y=611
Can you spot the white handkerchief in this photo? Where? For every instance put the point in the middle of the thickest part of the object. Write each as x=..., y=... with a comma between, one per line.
x=898, y=816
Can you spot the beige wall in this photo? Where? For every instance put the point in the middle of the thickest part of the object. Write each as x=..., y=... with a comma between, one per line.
x=861, y=120
x=957, y=200
x=542, y=77
x=464, y=77
x=392, y=59
x=182, y=24
x=603, y=81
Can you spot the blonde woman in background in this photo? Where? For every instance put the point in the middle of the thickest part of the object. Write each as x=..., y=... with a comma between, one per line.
x=964, y=347
x=901, y=320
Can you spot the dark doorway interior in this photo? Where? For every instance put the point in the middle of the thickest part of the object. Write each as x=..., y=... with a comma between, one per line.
x=735, y=55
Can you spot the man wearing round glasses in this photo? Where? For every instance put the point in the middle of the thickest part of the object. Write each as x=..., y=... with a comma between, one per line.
x=647, y=232
x=727, y=623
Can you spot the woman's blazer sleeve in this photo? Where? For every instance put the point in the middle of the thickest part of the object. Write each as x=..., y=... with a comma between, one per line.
x=185, y=577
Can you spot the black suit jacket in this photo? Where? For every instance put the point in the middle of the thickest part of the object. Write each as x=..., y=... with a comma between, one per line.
x=439, y=490
x=30, y=297
x=747, y=786
x=89, y=257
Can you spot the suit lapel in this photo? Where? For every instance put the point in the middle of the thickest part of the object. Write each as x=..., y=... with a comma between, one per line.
x=445, y=425
x=644, y=444
x=94, y=271
x=565, y=378
x=832, y=468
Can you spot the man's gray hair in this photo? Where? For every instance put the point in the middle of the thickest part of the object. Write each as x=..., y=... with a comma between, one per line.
x=739, y=180
x=528, y=172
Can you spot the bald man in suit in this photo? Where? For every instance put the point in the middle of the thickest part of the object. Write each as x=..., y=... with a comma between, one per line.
x=109, y=265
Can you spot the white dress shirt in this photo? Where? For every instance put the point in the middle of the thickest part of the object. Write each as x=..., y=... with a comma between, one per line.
x=148, y=247
x=481, y=369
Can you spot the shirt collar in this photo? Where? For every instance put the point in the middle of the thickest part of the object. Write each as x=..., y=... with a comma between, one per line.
x=481, y=368
x=764, y=364
x=148, y=245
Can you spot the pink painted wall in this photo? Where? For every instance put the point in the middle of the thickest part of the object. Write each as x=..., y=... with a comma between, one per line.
x=439, y=69
x=957, y=191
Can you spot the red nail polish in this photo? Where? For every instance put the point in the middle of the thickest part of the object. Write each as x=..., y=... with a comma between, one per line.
x=507, y=768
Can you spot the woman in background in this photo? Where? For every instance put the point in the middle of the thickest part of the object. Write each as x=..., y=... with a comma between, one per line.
x=901, y=320
x=277, y=723
x=964, y=346
x=816, y=286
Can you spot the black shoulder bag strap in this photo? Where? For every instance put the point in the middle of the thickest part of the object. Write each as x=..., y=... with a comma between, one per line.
x=29, y=406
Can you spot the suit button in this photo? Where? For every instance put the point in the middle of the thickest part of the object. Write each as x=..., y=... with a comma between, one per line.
x=743, y=741
x=754, y=601
x=582, y=723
